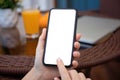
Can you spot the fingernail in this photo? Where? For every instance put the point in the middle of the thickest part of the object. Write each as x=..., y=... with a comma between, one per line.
x=58, y=59
x=55, y=78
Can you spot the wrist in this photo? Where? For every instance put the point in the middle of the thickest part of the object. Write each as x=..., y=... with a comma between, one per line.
x=33, y=74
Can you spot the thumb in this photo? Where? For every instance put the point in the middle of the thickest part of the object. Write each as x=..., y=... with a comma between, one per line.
x=39, y=49
x=41, y=41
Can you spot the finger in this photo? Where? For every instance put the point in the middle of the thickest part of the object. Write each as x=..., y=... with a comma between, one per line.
x=76, y=54
x=75, y=64
x=88, y=79
x=56, y=78
x=42, y=39
x=82, y=76
x=40, y=48
x=74, y=75
x=77, y=45
x=62, y=70
x=78, y=37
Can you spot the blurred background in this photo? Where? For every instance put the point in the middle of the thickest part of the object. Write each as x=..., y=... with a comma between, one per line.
x=44, y=5
x=32, y=16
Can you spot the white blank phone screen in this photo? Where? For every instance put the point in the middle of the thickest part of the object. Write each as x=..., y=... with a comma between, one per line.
x=60, y=36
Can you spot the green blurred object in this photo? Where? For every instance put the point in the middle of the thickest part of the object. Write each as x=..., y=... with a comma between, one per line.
x=11, y=4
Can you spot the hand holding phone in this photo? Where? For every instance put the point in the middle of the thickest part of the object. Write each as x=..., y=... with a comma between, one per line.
x=60, y=36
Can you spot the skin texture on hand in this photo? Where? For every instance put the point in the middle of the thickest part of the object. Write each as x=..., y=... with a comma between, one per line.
x=48, y=72
x=69, y=74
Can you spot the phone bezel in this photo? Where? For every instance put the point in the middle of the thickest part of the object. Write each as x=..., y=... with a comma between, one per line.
x=74, y=37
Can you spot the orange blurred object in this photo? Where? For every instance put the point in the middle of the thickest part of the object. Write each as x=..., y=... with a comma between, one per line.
x=44, y=20
x=31, y=21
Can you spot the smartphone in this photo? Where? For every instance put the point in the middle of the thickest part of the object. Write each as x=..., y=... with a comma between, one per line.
x=60, y=36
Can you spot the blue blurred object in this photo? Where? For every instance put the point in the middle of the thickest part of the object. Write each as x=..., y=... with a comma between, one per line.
x=80, y=5
x=61, y=3
x=83, y=5
x=93, y=4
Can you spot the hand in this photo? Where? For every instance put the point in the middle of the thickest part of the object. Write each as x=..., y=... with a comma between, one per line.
x=70, y=74
x=48, y=73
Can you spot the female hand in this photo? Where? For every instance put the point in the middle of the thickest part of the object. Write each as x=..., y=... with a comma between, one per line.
x=41, y=72
x=51, y=72
x=69, y=74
